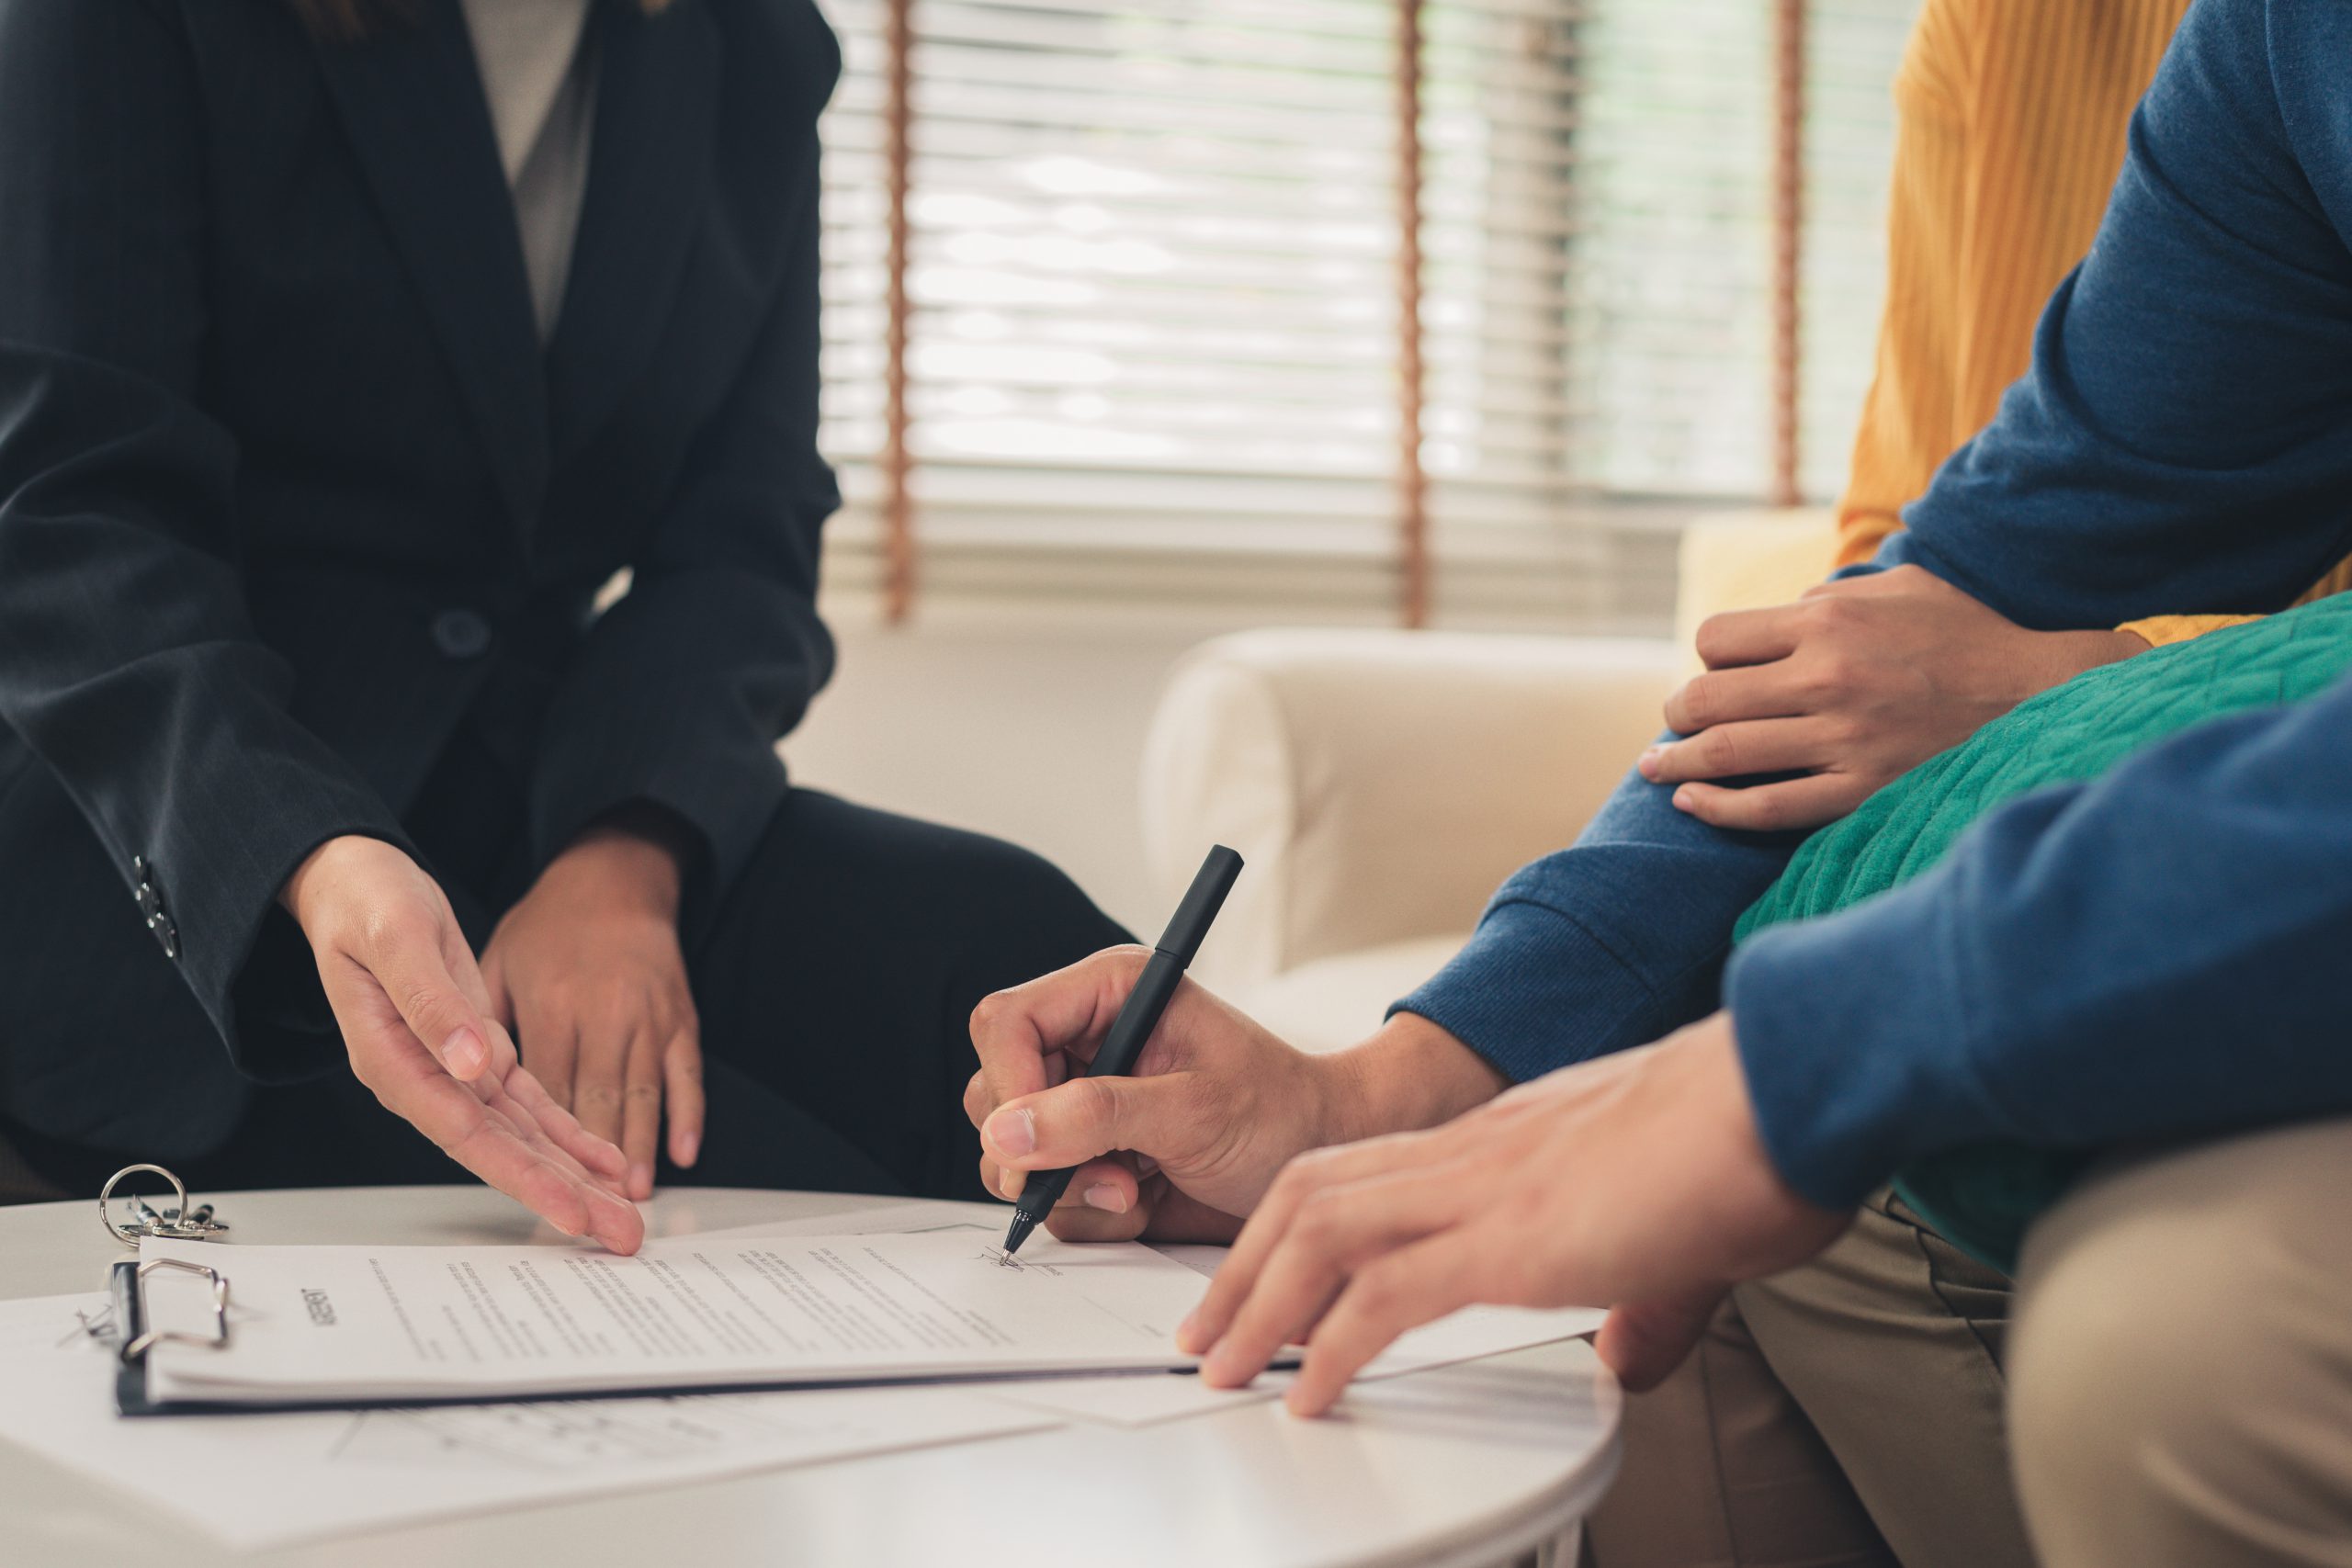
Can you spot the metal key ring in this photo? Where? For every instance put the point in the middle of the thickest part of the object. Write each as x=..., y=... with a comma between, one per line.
x=129, y=1235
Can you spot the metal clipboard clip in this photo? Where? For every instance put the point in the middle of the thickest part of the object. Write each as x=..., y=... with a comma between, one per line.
x=128, y=1308
x=131, y=1309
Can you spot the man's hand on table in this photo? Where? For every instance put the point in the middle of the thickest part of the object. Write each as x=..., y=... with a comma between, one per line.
x=418, y=1024
x=1637, y=1182
x=1852, y=686
x=588, y=972
x=1184, y=1147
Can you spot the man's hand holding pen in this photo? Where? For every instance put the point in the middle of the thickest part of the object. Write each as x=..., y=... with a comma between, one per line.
x=1177, y=1150
x=1215, y=1109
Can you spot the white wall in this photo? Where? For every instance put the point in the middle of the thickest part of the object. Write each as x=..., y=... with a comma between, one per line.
x=1023, y=713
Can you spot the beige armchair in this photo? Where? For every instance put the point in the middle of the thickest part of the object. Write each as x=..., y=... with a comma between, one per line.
x=1381, y=783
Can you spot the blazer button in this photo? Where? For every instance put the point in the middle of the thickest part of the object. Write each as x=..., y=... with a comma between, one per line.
x=461, y=634
x=151, y=905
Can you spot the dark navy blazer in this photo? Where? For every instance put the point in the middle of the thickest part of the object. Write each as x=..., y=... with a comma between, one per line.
x=289, y=486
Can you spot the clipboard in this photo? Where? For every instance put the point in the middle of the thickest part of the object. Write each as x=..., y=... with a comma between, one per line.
x=134, y=1331
x=126, y=1289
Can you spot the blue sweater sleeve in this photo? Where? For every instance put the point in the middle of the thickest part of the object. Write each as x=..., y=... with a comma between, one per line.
x=2157, y=952
x=1607, y=945
x=2183, y=442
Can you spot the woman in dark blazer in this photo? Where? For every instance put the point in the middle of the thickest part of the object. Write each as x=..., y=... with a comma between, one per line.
x=303, y=702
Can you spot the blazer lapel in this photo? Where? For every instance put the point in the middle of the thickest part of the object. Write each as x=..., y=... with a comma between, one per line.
x=648, y=175
x=413, y=102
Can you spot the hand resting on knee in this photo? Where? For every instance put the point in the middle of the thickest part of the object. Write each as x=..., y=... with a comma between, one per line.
x=1852, y=686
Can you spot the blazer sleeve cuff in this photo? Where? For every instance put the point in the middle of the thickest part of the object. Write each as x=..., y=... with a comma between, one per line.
x=209, y=897
x=725, y=801
x=638, y=723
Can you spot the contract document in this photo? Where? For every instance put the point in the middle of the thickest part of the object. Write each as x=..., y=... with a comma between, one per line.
x=358, y=1324
x=263, y=1480
x=1468, y=1335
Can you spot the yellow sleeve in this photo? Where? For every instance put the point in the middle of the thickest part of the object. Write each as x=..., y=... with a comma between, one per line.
x=1906, y=421
x=2158, y=630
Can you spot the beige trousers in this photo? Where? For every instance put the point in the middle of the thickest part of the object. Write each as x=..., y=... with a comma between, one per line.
x=2174, y=1373
x=2181, y=1369
x=1847, y=1413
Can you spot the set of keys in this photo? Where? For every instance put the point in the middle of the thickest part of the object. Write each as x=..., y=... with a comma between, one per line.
x=178, y=1222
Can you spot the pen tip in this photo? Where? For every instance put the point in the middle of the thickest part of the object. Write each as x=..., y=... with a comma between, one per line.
x=1019, y=1232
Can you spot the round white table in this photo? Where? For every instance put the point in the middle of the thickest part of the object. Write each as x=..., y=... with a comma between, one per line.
x=1476, y=1464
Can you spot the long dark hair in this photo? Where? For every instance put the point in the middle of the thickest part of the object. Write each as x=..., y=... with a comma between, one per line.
x=347, y=21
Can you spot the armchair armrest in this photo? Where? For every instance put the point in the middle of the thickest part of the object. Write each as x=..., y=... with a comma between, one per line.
x=1382, y=784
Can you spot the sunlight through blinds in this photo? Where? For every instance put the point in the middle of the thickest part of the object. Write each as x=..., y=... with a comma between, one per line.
x=1152, y=275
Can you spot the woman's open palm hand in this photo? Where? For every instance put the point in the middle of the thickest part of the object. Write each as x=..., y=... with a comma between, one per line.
x=417, y=1022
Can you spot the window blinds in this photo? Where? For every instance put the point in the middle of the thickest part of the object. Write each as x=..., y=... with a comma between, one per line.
x=1154, y=299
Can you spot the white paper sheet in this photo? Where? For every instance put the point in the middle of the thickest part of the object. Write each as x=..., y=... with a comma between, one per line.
x=253, y=1481
x=903, y=1216
x=1466, y=1335
x=345, y=1324
x=896, y=1218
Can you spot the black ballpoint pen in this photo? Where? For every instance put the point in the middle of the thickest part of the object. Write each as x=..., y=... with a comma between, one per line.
x=1138, y=1016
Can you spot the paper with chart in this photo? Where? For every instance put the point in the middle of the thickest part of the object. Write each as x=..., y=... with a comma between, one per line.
x=253, y=1480
x=341, y=1325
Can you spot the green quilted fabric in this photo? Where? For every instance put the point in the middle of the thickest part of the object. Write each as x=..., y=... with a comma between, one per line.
x=1983, y=1197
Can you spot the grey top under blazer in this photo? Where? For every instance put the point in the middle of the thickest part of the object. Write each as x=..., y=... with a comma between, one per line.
x=288, y=488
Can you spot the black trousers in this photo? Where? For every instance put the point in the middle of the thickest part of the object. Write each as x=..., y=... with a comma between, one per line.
x=835, y=983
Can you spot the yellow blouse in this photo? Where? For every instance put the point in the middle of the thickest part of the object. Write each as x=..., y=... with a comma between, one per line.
x=2010, y=122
